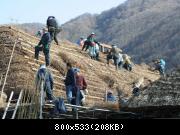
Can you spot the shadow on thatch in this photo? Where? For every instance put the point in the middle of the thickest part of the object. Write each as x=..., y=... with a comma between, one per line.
x=110, y=80
x=61, y=67
x=70, y=59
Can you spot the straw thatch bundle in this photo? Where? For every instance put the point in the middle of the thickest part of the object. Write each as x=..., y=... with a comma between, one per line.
x=3, y=100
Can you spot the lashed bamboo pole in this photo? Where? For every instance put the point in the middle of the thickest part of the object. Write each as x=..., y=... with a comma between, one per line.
x=9, y=101
x=9, y=64
x=17, y=105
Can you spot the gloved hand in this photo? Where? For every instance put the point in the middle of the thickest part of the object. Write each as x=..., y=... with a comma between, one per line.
x=86, y=92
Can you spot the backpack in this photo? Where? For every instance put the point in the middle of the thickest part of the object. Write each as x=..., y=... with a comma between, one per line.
x=60, y=106
x=51, y=21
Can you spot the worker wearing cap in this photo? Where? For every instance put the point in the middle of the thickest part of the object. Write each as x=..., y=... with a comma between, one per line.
x=160, y=66
x=81, y=87
x=91, y=45
x=44, y=45
x=91, y=41
x=115, y=54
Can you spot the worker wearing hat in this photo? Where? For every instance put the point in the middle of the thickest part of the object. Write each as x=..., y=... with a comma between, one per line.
x=44, y=45
x=91, y=45
x=81, y=86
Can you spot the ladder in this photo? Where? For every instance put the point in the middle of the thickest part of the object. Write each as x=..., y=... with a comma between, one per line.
x=12, y=108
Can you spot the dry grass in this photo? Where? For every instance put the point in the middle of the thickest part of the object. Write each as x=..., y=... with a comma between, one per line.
x=110, y=80
x=3, y=100
x=76, y=63
x=108, y=105
x=66, y=59
x=20, y=76
x=61, y=67
x=2, y=104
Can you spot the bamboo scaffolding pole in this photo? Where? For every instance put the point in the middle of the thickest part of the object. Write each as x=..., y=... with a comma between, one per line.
x=9, y=64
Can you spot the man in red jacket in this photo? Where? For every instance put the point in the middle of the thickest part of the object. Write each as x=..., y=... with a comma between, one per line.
x=81, y=86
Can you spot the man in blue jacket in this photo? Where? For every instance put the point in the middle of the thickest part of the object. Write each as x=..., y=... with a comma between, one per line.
x=160, y=66
x=43, y=74
x=44, y=45
x=70, y=83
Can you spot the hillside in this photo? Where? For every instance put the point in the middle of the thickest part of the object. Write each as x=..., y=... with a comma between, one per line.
x=82, y=25
x=146, y=29
x=97, y=74
x=30, y=28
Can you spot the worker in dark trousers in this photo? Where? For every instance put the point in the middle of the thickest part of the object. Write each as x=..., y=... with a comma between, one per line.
x=44, y=45
x=43, y=74
x=53, y=28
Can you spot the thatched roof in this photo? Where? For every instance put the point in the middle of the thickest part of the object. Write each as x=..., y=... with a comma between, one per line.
x=23, y=67
x=163, y=92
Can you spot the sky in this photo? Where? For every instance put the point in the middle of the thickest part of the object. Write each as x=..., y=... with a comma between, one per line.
x=28, y=11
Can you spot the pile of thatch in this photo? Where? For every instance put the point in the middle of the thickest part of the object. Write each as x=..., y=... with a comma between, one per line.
x=70, y=59
x=3, y=100
x=60, y=66
x=108, y=105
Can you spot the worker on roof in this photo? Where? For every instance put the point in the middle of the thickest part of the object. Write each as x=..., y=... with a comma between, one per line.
x=115, y=54
x=70, y=83
x=160, y=66
x=91, y=45
x=44, y=76
x=81, y=41
x=90, y=42
x=44, y=45
x=81, y=87
x=137, y=86
x=109, y=94
x=53, y=28
x=127, y=62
